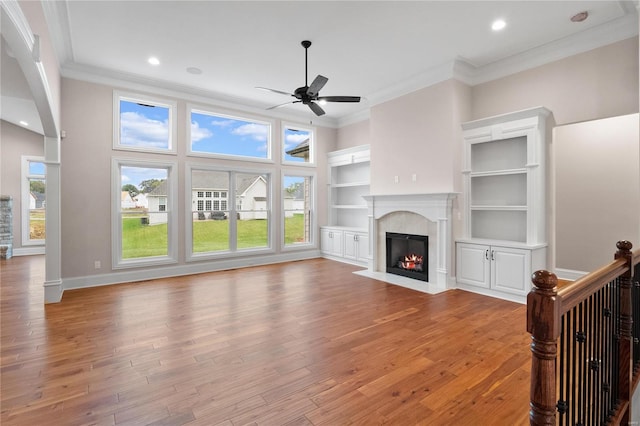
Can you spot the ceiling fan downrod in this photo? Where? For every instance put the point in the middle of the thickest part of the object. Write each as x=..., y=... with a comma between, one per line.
x=306, y=44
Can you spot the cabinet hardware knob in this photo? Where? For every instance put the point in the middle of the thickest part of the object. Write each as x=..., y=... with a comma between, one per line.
x=486, y=254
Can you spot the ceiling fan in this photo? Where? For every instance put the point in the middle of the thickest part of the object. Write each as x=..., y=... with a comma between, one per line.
x=309, y=95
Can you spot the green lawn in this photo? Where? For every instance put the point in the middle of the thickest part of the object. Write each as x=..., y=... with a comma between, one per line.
x=208, y=236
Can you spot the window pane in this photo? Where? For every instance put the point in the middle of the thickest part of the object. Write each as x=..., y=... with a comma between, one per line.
x=253, y=210
x=297, y=145
x=213, y=134
x=210, y=228
x=144, y=218
x=296, y=196
x=36, y=168
x=37, y=203
x=145, y=126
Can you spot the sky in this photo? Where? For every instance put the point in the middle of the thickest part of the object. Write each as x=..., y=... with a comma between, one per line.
x=146, y=125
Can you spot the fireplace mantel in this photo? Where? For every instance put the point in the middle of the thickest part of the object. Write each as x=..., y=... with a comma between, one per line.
x=434, y=207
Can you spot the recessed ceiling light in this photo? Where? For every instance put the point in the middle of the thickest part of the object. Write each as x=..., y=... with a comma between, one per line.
x=579, y=17
x=23, y=123
x=194, y=70
x=153, y=60
x=498, y=24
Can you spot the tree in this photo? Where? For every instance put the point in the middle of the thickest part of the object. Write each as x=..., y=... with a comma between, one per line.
x=131, y=189
x=37, y=186
x=149, y=185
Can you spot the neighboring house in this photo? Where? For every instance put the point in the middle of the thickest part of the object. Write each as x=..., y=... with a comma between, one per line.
x=126, y=201
x=141, y=201
x=157, y=204
x=301, y=150
x=210, y=192
x=295, y=201
x=36, y=200
x=252, y=195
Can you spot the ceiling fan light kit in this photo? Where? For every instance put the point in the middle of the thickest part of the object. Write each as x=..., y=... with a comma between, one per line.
x=310, y=94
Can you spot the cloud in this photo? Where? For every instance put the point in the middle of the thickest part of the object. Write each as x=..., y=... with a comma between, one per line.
x=255, y=131
x=222, y=123
x=198, y=133
x=138, y=130
x=125, y=178
x=293, y=139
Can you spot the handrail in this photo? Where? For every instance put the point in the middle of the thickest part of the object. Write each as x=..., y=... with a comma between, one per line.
x=602, y=304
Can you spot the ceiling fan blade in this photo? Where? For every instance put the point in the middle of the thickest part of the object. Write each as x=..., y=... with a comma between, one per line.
x=316, y=108
x=275, y=91
x=317, y=84
x=279, y=105
x=339, y=98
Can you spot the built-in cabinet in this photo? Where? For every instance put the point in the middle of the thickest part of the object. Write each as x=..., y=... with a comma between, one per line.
x=346, y=237
x=504, y=236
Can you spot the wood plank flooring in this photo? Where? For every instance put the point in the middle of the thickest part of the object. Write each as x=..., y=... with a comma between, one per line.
x=304, y=343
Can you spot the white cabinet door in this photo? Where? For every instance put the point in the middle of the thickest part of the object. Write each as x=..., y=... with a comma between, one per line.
x=473, y=265
x=331, y=241
x=356, y=246
x=510, y=269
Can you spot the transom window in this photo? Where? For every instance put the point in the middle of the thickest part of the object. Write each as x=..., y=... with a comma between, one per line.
x=223, y=135
x=143, y=123
x=297, y=144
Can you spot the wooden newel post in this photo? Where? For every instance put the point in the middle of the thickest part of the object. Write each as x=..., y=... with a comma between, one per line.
x=543, y=322
x=626, y=320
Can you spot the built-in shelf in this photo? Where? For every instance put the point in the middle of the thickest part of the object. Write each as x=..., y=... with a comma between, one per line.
x=346, y=236
x=504, y=236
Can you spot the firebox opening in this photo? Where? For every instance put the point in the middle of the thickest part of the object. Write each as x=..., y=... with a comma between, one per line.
x=408, y=255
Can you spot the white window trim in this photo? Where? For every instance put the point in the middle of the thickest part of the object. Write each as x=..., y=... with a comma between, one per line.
x=150, y=100
x=172, y=214
x=233, y=251
x=312, y=144
x=314, y=207
x=25, y=190
x=200, y=109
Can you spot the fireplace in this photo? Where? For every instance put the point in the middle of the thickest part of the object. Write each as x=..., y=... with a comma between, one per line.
x=408, y=255
x=419, y=214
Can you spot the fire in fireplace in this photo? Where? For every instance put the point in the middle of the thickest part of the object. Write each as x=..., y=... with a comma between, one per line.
x=407, y=255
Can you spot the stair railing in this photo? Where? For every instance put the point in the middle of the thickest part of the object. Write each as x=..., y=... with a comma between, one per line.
x=585, y=344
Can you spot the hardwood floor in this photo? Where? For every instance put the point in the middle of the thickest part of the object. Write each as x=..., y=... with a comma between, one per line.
x=305, y=343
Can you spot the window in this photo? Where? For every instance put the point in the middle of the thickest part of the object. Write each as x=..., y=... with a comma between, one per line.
x=33, y=200
x=209, y=194
x=297, y=203
x=297, y=144
x=144, y=233
x=222, y=135
x=252, y=195
x=220, y=230
x=209, y=233
x=142, y=123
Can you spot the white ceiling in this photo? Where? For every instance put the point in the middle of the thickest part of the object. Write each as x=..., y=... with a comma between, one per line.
x=377, y=50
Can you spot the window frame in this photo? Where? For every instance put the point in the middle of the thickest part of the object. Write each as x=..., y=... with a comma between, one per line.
x=312, y=210
x=221, y=113
x=232, y=211
x=312, y=144
x=25, y=190
x=117, y=262
x=149, y=100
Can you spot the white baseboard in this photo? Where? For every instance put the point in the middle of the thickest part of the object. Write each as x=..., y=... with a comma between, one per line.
x=28, y=251
x=186, y=269
x=569, y=274
x=53, y=291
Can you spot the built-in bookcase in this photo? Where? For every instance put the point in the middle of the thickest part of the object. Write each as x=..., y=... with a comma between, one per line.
x=346, y=236
x=504, y=235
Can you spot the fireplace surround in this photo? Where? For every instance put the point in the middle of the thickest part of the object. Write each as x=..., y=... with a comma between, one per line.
x=424, y=214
